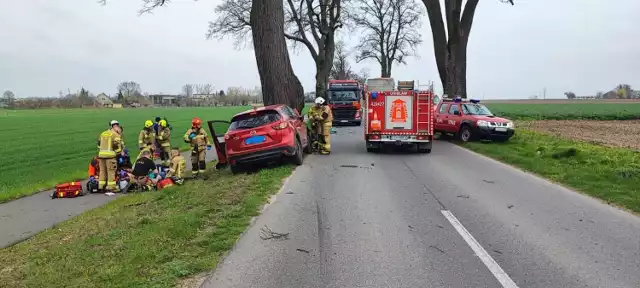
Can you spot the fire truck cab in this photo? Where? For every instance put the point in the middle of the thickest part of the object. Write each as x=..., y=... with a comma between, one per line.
x=400, y=117
x=343, y=96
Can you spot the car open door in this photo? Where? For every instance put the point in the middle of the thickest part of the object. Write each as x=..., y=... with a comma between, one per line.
x=218, y=128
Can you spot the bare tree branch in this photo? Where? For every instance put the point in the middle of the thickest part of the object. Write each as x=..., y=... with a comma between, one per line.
x=390, y=31
x=233, y=21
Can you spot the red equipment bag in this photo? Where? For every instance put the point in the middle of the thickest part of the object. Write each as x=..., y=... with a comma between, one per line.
x=167, y=182
x=68, y=190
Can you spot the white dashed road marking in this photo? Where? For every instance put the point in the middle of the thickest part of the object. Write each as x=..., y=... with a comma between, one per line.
x=495, y=269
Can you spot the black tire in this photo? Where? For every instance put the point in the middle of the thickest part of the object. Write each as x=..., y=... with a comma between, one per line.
x=372, y=150
x=235, y=169
x=465, y=134
x=359, y=124
x=424, y=150
x=298, y=158
x=307, y=148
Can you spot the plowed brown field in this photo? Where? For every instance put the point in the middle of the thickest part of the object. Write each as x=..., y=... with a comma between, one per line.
x=609, y=133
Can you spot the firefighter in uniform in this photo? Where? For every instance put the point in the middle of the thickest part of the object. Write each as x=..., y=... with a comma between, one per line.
x=164, y=139
x=147, y=138
x=197, y=137
x=110, y=144
x=177, y=168
x=321, y=121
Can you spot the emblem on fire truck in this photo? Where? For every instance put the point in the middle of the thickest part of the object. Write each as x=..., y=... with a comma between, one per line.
x=398, y=111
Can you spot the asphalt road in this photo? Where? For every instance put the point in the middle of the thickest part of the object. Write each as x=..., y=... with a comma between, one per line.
x=24, y=217
x=448, y=219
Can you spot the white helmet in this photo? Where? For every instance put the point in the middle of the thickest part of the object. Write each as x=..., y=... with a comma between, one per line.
x=320, y=100
x=114, y=122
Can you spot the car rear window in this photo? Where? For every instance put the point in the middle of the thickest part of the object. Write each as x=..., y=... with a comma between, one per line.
x=260, y=118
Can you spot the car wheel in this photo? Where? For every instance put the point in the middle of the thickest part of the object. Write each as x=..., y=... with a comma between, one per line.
x=359, y=124
x=307, y=148
x=424, y=150
x=235, y=169
x=299, y=156
x=465, y=134
x=372, y=150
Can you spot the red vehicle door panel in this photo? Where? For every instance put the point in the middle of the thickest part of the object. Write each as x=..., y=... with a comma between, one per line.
x=300, y=125
x=452, y=121
x=441, y=118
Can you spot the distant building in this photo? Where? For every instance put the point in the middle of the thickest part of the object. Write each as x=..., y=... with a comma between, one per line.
x=610, y=95
x=164, y=99
x=104, y=101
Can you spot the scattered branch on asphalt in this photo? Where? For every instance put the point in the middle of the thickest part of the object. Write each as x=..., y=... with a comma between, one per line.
x=463, y=196
x=266, y=234
x=434, y=247
x=302, y=250
x=489, y=181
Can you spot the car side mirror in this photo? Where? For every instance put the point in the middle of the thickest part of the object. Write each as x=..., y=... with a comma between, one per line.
x=456, y=113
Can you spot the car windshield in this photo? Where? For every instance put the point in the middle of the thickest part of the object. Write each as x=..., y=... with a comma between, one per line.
x=248, y=121
x=476, y=109
x=344, y=96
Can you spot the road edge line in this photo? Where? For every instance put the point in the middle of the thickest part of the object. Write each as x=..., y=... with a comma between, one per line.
x=488, y=261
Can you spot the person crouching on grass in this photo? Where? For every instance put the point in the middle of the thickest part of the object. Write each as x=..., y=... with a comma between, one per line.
x=143, y=168
x=178, y=164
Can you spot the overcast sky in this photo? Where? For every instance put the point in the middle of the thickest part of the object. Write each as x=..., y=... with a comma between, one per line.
x=47, y=46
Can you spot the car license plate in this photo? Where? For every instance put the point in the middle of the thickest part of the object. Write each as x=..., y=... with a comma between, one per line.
x=396, y=138
x=501, y=129
x=344, y=121
x=255, y=140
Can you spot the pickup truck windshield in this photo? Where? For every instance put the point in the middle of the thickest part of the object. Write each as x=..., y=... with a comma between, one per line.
x=344, y=96
x=476, y=109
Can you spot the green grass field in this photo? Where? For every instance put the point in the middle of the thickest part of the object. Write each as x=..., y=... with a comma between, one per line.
x=593, y=111
x=42, y=148
x=144, y=239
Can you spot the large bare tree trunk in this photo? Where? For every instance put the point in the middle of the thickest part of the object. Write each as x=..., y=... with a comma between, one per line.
x=451, y=51
x=279, y=84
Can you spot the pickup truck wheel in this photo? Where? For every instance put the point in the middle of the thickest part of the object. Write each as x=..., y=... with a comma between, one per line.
x=465, y=134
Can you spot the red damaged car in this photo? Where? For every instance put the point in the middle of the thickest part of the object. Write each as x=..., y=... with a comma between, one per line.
x=263, y=135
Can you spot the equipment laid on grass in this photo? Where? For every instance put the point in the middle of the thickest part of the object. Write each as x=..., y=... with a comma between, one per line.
x=164, y=183
x=400, y=117
x=68, y=190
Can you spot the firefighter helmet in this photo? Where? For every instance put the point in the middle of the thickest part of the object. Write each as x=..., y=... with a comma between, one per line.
x=319, y=100
x=196, y=122
x=148, y=124
x=163, y=123
x=114, y=122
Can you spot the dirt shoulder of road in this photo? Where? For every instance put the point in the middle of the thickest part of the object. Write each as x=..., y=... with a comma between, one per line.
x=144, y=239
x=619, y=134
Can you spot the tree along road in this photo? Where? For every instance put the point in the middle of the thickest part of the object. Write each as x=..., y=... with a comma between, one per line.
x=24, y=217
x=448, y=219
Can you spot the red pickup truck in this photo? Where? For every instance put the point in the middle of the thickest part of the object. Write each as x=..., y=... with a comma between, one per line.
x=470, y=120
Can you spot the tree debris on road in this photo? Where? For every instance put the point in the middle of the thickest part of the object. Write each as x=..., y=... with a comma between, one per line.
x=266, y=234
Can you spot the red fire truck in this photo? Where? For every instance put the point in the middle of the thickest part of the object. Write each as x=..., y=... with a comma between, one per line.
x=401, y=117
x=344, y=98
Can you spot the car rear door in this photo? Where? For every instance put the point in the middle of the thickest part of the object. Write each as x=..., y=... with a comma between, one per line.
x=254, y=131
x=217, y=129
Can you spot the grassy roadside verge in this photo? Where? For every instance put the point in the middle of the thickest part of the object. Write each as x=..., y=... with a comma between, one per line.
x=143, y=240
x=610, y=174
